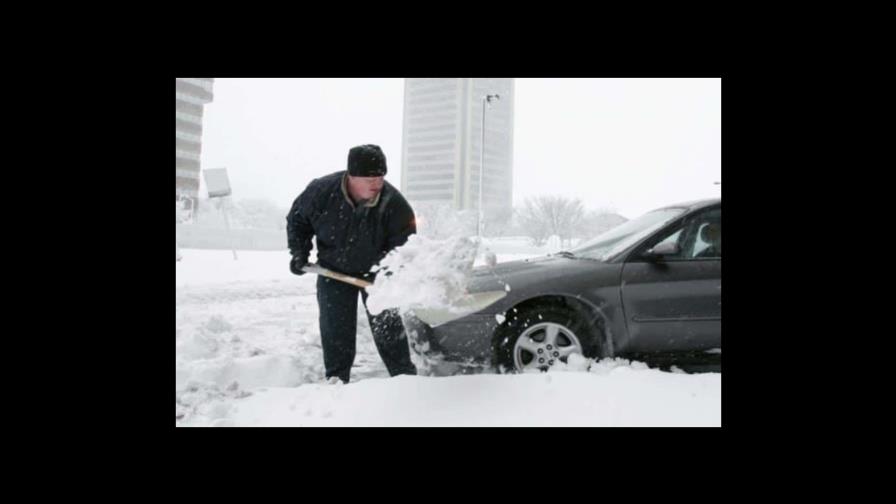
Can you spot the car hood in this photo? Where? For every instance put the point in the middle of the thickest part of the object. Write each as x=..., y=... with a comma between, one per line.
x=545, y=275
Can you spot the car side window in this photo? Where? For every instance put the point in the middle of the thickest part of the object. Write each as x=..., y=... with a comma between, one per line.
x=704, y=236
x=673, y=238
x=698, y=238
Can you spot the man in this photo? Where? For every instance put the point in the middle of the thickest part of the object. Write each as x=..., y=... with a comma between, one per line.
x=357, y=218
x=711, y=234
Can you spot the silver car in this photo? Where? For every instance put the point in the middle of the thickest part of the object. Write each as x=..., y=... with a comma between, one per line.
x=649, y=289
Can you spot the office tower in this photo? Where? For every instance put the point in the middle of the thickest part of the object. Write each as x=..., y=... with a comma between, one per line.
x=191, y=95
x=442, y=133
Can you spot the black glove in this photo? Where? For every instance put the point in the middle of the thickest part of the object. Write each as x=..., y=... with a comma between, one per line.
x=297, y=263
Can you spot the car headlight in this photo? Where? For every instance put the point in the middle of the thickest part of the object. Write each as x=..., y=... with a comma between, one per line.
x=467, y=304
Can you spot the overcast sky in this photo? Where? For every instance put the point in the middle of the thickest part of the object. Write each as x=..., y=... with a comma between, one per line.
x=629, y=144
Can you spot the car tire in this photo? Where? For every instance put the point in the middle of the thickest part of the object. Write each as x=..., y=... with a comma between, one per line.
x=535, y=325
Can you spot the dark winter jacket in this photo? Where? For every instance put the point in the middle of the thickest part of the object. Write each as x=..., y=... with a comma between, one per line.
x=351, y=238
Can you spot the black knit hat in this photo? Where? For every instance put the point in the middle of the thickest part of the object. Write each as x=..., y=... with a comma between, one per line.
x=366, y=161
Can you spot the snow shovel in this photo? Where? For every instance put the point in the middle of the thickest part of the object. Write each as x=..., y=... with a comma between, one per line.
x=470, y=303
x=320, y=270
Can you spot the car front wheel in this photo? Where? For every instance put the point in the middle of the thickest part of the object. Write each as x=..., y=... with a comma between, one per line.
x=540, y=337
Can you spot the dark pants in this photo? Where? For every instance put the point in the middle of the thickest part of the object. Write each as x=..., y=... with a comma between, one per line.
x=338, y=303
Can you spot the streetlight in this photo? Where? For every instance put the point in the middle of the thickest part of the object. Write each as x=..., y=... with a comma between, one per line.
x=485, y=99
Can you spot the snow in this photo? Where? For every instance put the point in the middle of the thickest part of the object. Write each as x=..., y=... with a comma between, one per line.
x=423, y=273
x=624, y=395
x=247, y=352
x=202, y=267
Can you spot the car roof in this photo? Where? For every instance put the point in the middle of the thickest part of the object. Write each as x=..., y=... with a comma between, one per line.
x=693, y=205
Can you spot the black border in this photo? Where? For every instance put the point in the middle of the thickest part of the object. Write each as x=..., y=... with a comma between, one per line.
x=147, y=241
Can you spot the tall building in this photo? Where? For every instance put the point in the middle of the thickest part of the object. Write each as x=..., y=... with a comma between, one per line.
x=442, y=133
x=191, y=95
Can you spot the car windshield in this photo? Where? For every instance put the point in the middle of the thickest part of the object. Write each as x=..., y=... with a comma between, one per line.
x=610, y=243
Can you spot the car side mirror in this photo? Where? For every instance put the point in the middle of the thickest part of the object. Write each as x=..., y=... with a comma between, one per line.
x=661, y=250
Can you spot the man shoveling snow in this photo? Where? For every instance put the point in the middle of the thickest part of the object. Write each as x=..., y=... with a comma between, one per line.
x=357, y=218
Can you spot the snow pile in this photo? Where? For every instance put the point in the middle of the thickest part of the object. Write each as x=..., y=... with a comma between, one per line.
x=614, y=393
x=423, y=273
x=211, y=361
x=250, y=322
x=204, y=400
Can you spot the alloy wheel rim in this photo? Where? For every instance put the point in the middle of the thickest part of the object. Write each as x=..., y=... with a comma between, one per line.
x=542, y=345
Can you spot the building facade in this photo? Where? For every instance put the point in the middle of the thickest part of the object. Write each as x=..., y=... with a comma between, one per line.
x=441, y=139
x=191, y=95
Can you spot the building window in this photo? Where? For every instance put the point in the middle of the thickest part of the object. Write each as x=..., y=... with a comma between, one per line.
x=430, y=120
x=187, y=136
x=431, y=147
x=186, y=154
x=190, y=99
x=187, y=173
x=429, y=173
x=446, y=127
x=431, y=197
x=204, y=84
x=420, y=158
x=429, y=186
x=439, y=136
x=190, y=118
x=189, y=108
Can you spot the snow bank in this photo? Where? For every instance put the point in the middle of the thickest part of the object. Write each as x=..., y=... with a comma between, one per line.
x=247, y=352
x=248, y=324
x=202, y=267
x=612, y=393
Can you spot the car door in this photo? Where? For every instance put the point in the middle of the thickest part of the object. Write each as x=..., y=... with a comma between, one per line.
x=675, y=304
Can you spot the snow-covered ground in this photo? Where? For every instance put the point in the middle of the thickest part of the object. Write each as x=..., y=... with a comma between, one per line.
x=247, y=352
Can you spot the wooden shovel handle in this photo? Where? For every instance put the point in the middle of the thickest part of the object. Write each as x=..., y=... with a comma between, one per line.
x=320, y=270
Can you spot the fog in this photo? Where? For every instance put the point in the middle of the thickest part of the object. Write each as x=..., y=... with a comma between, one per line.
x=627, y=144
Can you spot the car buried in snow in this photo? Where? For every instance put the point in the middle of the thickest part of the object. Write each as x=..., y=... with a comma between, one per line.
x=648, y=289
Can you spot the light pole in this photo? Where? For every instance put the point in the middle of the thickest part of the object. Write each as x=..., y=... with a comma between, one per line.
x=485, y=99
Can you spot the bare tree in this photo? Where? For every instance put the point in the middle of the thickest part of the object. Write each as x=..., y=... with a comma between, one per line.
x=531, y=224
x=543, y=216
x=599, y=221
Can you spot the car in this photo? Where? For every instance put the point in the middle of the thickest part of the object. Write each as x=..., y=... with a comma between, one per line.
x=650, y=288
